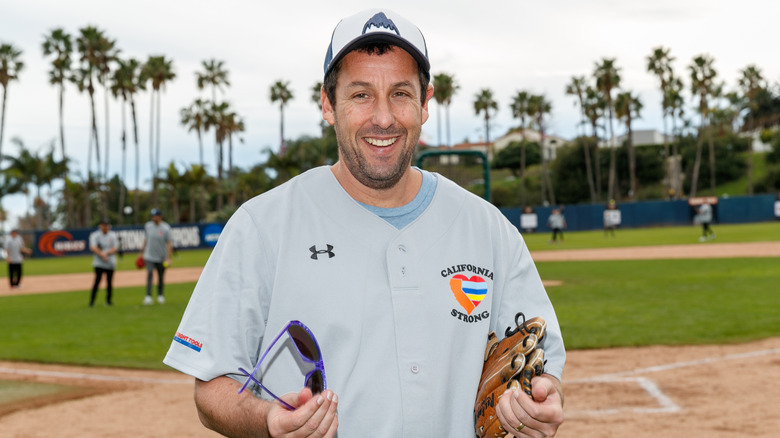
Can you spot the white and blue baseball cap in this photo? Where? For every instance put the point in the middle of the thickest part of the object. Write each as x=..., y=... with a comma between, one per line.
x=377, y=25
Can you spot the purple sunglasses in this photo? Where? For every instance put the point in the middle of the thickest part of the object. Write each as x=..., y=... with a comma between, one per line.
x=308, y=349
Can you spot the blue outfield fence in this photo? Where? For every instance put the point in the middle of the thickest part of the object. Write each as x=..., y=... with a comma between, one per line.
x=59, y=243
x=733, y=210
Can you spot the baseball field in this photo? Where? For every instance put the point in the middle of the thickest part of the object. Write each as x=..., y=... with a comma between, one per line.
x=666, y=336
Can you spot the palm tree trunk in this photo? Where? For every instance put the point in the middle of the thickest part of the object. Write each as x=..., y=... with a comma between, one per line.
x=105, y=98
x=438, y=123
x=631, y=162
x=750, y=161
x=676, y=186
x=449, y=142
x=2, y=120
x=696, y=164
x=596, y=161
x=669, y=184
x=589, y=171
x=157, y=147
x=68, y=203
x=136, y=200
x=522, y=171
x=152, y=165
x=711, y=157
x=122, y=193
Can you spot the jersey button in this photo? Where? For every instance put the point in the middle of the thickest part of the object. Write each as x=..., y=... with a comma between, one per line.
x=402, y=249
x=415, y=368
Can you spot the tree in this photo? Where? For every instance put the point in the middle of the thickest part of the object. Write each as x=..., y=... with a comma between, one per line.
x=594, y=106
x=90, y=44
x=675, y=101
x=10, y=66
x=659, y=63
x=35, y=169
x=520, y=110
x=213, y=75
x=702, y=86
x=751, y=82
x=444, y=87
x=483, y=103
x=608, y=78
x=59, y=44
x=217, y=117
x=577, y=88
x=539, y=106
x=124, y=84
x=158, y=71
x=280, y=92
x=193, y=118
x=627, y=108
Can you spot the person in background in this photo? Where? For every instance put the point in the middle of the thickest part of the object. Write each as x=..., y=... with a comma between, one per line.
x=104, y=244
x=157, y=250
x=557, y=223
x=14, y=245
x=704, y=213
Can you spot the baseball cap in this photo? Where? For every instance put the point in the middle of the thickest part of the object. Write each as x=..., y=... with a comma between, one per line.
x=104, y=221
x=377, y=25
x=156, y=212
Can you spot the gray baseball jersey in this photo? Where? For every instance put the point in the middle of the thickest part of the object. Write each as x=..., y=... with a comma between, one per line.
x=157, y=238
x=401, y=316
x=13, y=246
x=104, y=242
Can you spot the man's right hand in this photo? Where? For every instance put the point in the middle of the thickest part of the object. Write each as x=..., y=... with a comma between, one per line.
x=315, y=415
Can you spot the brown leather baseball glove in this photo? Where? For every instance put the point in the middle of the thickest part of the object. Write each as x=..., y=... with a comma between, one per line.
x=509, y=364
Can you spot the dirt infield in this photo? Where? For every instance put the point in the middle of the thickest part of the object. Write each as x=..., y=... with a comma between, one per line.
x=702, y=391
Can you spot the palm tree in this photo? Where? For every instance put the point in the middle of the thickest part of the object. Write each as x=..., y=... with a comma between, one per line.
x=124, y=83
x=539, y=106
x=702, y=86
x=594, y=106
x=577, y=88
x=751, y=82
x=659, y=63
x=608, y=78
x=444, y=87
x=35, y=169
x=193, y=118
x=676, y=102
x=213, y=75
x=217, y=116
x=107, y=55
x=520, y=110
x=88, y=44
x=58, y=43
x=484, y=102
x=280, y=92
x=158, y=71
x=627, y=108
x=195, y=179
x=10, y=67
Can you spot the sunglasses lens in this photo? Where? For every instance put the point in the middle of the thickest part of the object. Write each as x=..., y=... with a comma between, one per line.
x=315, y=382
x=306, y=345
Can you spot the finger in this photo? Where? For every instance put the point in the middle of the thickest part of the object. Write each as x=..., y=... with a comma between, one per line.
x=320, y=421
x=540, y=388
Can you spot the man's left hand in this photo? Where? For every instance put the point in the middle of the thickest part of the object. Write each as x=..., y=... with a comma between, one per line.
x=538, y=417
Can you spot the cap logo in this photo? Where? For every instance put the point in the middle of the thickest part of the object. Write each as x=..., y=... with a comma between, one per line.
x=378, y=23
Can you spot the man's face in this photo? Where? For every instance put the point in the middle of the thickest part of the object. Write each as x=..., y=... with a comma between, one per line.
x=378, y=115
x=104, y=228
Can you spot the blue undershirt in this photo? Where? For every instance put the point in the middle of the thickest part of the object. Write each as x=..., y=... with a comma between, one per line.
x=402, y=216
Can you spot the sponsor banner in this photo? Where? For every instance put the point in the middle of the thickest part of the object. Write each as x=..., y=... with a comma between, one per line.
x=59, y=243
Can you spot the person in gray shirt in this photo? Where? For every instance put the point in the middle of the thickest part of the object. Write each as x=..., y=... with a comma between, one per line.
x=14, y=245
x=157, y=250
x=104, y=244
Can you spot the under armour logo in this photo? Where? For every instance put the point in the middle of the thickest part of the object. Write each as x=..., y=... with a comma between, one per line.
x=315, y=253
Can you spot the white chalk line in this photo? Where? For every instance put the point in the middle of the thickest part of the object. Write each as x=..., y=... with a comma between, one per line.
x=88, y=376
x=664, y=404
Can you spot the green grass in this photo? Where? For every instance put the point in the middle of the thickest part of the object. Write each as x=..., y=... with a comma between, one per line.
x=669, y=302
x=62, y=328
x=764, y=231
x=600, y=304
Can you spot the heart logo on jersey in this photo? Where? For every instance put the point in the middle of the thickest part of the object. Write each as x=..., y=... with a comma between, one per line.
x=468, y=291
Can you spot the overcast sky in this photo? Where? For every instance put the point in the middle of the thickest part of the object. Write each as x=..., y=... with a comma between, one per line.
x=504, y=45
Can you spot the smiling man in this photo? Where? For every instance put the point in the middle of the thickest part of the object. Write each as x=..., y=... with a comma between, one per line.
x=400, y=273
